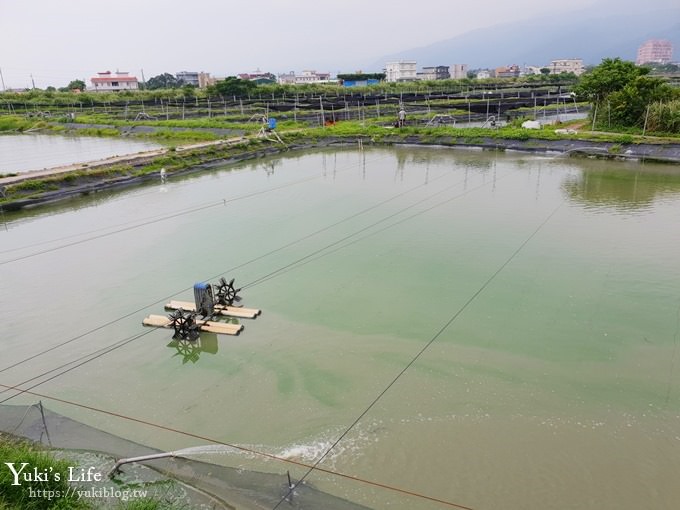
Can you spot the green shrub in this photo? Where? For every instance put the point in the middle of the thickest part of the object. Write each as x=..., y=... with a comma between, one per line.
x=624, y=139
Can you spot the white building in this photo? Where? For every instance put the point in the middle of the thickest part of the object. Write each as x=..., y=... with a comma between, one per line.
x=305, y=77
x=530, y=70
x=458, y=71
x=403, y=70
x=114, y=82
x=567, y=65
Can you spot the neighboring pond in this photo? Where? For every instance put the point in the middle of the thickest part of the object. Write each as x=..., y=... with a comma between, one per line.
x=26, y=152
x=549, y=289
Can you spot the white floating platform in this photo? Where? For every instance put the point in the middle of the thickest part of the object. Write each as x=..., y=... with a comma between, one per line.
x=231, y=311
x=221, y=328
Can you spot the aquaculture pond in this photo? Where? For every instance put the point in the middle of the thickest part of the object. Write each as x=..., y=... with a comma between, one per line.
x=21, y=153
x=483, y=329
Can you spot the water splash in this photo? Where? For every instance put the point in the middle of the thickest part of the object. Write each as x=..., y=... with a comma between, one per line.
x=213, y=449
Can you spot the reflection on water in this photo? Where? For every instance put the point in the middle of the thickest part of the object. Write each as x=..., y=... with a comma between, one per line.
x=191, y=350
x=628, y=189
x=555, y=386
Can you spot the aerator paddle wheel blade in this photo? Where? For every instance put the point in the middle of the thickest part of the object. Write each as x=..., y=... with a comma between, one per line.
x=225, y=293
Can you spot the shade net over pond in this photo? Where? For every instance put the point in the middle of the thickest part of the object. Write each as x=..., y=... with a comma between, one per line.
x=197, y=484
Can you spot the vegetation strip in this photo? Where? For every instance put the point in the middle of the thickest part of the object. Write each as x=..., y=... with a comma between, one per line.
x=24, y=190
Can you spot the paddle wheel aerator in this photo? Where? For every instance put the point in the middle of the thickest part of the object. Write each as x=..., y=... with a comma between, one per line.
x=210, y=303
x=184, y=324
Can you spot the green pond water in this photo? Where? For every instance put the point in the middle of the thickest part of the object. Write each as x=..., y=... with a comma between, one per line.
x=538, y=296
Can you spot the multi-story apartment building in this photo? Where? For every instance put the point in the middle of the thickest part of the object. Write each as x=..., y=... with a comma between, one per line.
x=188, y=78
x=434, y=73
x=403, y=70
x=658, y=51
x=458, y=71
x=567, y=65
x=305, y=77
x=200, y=80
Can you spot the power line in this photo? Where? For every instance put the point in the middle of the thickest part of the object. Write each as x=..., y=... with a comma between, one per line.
x=308, y=258
x=215, y=276
x=280, y=270
x=95, y=355
x=124, y=229
x=418, y=354
x=239, y=448
x=358, y=419
x=315, y=466
x=273, y=251
x=275, y=273
x=63, y=238
x=93, y=330
x=223, y=201
x=182, y=290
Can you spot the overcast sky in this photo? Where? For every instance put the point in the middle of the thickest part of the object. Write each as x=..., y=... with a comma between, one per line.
x=58, y=41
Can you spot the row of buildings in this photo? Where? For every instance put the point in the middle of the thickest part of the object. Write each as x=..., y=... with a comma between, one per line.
x=120, y=80
x=651, y=51
x=400, y=71
x=406, y=70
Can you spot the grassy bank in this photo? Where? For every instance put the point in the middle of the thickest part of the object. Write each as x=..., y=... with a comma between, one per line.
x=86, y=179
x=20, y=496
x=56, y=492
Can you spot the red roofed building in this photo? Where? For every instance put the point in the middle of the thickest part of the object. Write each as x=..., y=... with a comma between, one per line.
x=114, y=82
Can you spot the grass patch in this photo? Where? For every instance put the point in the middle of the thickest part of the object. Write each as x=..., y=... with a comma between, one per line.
x=186, y=136
x=15, y=123
x=19, y=496
x=15, y=497
x=98, y=132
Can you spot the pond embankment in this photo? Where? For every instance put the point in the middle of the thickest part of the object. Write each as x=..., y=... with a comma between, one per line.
x=34, y=188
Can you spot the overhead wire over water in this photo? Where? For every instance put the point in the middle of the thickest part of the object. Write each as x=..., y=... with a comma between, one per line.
x=415, y=358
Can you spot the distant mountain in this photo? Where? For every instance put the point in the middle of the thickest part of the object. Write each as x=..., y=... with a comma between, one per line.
x=588, y=35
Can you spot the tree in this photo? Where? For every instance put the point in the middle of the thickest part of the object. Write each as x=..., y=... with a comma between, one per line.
x=361, y=76
x=232, y=86
x=163, y=81
x=612, y=75
x=545, y=71
x=628, y=106
x=623, y=90
x=77, y=85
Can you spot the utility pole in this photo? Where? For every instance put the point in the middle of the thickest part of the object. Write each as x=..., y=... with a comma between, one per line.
x=32, y=81
x=3, y=81
x=143, y=80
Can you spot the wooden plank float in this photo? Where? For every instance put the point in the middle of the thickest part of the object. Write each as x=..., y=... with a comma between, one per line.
x=231, y=311
x=221, y=328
